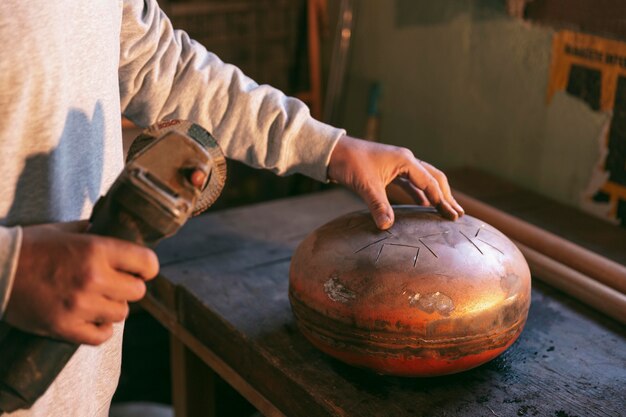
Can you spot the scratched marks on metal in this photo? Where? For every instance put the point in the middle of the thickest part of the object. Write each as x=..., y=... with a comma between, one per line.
x=481, y=239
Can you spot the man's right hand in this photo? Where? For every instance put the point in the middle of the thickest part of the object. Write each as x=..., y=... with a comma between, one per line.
x=73, y=286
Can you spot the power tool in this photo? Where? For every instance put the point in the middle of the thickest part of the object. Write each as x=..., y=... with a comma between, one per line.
x=175, y=169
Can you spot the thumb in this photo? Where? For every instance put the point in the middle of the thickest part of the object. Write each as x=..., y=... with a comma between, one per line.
x=378, y=204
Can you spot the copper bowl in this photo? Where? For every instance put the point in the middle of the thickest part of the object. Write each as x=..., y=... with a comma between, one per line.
x=428, y=297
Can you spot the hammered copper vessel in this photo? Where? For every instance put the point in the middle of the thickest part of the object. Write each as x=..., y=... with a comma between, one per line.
x=427, y=297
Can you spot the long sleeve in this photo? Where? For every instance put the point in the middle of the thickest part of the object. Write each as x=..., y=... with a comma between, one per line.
x=165, y=74
x=10, y=243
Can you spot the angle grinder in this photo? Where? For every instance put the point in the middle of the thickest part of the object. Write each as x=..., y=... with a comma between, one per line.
x=151, y=199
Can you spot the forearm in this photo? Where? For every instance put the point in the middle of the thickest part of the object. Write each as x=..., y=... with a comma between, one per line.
x=164, y=74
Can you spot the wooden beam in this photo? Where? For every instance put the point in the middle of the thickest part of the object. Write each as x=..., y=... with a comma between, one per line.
x=193, y=383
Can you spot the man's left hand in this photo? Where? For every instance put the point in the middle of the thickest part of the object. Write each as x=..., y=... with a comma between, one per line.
x=368, y=167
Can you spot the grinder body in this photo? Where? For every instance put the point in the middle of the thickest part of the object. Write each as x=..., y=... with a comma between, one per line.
x=150, y=200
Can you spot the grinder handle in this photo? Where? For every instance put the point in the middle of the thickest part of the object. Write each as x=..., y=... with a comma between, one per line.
x=30, y=363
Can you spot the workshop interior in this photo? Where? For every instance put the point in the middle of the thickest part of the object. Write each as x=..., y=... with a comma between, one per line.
x=521, y=104
x=278, y=296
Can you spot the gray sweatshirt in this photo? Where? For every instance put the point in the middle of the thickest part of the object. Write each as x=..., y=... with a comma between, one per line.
x=68, y=70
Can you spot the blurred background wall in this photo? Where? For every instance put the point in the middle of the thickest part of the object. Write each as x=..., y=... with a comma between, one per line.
x=464, y=84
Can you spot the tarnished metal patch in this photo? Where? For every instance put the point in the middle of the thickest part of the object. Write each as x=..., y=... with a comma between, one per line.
x=432, y=302
x=336, y=291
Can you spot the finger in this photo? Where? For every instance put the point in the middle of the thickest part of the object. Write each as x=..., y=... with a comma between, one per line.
x=99, y=309
x=422, y=179
x=198, y=178
x=397, y=194
x=378, y=204
x=413, y=195
x=445, y=187
x=86, y=333
x=123, y=287
x=132, y=258
x=96, y=334
x=109, y=312
x=459, y=209
x=420, y=197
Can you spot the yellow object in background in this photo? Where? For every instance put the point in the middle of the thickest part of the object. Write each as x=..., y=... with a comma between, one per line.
x=593, y=69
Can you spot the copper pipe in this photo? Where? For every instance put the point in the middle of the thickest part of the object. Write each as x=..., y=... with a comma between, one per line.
x=593, y=293
x=588, y=263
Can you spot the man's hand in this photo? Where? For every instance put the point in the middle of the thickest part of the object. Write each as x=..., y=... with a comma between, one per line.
x=74, y=286
x=368, y=167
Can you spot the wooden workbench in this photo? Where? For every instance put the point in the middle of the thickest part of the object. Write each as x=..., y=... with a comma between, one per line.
x=222, y=294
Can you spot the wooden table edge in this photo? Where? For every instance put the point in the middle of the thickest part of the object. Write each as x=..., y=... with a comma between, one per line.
x=226, y=372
